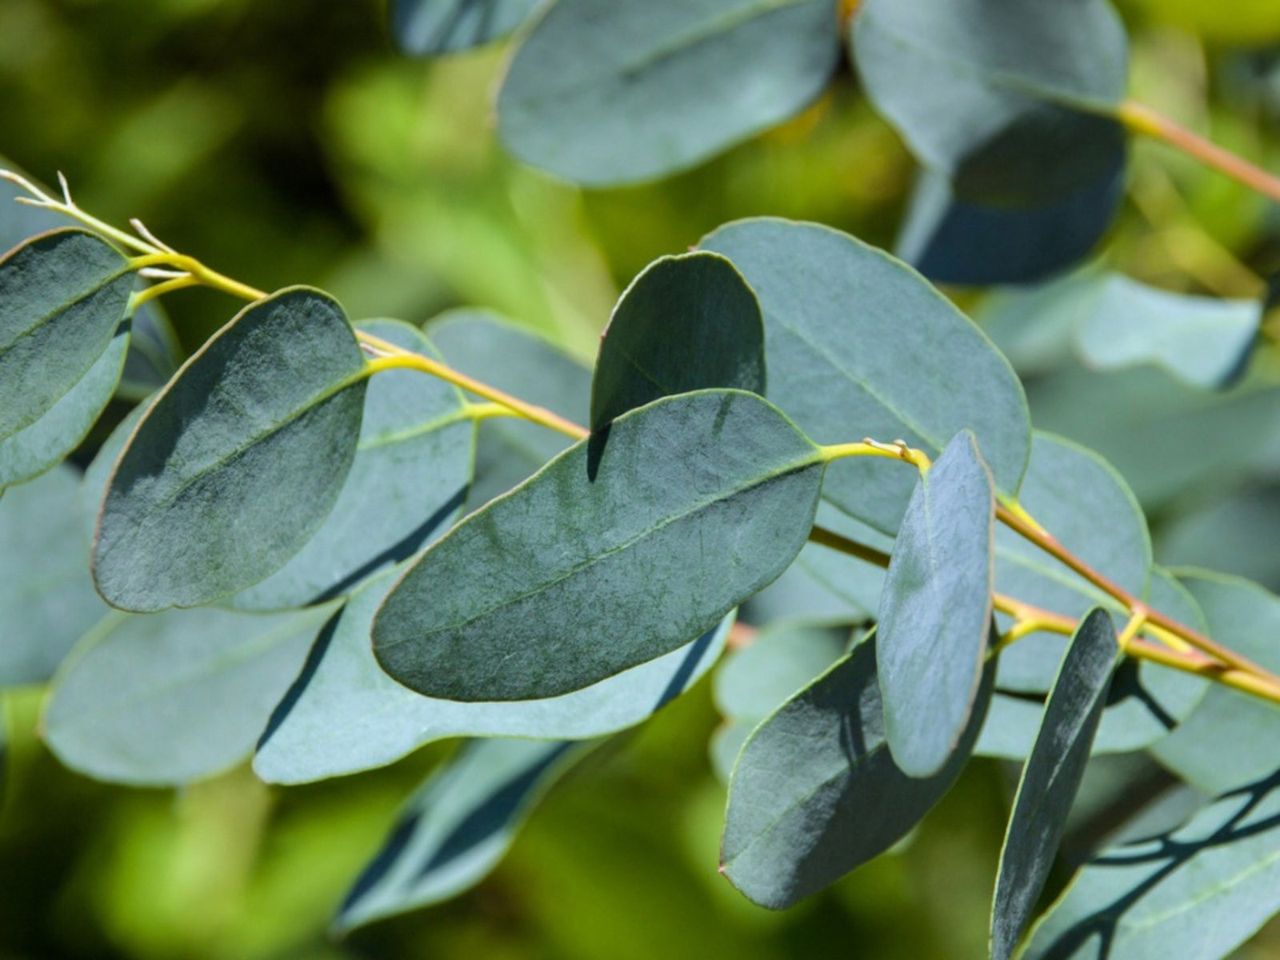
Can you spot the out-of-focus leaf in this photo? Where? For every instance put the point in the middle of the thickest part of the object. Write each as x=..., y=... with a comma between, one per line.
x=343, y=714
x=685, y=323
x=173, y=697
x=1035, y=325
x=614, y=93
x=407, y=485
x=1236, y=533
x=457, y=827
x=815, y=792
x=47, y=600
x=756, y=680
x=429, y=27
x=64, y=297
x=1051, y=778
x=1230, y=737
x=935, y=612
x=1195, y=893
x=482, y=345
x=1202, y=340
x=238, y=461
x=699, y=499
x=859, y=344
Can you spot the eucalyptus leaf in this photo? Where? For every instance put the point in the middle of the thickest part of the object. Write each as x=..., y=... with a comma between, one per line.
x=758, y=678
x=483, y=345
x=457, y=826
x=688, y=506
x=238, y=461
x=613, y=93
x=1051, y=779
x=1195, y=893
x=859, y=344
x=406, y=486
x=685, y=323
x=1205, y=341
x=1010, y=102
x=935, y=612
x=173, y=697
x=429, y=27
x=40, y=445
x=815, y=792
x=1235, y=532
x=154, y=353
x=1229, y=738
x=47, y=600
x=1035, y=325
x=63, y=298
x=343, y=714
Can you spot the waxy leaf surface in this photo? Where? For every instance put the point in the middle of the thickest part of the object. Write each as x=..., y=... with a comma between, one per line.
x=859, y=344
x=685, y=323
x=688, y=506
x=609, y=93
x=935, y=611
x=238, y=461
x=1051, y=778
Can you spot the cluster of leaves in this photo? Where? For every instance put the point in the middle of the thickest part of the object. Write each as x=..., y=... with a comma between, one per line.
x=324, y=560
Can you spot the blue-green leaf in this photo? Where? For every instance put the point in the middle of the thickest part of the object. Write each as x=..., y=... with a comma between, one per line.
x=1051, y=778
x=63, y=298
x=815, y=792
x=428, y=27
x=757, y=679
x=238, y=461
x=685, y=323
x=406, y=486
x=935, y=612
x=457, y=826
x=609, y=93
x=1195, y=893
x=859, y=344
x=173, y=697
x=47, y=600
x=687, y=507
x=343, y=714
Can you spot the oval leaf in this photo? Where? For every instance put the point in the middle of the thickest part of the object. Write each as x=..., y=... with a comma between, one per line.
x=406, y=486
x=935, y=612
x=173, y=697
x=63, y=298
x=685, y=323
x=619, y=92
x=859, y=344
x=815, y=792
x=457, y=827
x=1051, y=778
x=343, y=714
x=699, y=499
x=238, y=461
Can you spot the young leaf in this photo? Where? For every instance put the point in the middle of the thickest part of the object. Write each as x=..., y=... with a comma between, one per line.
x=951, y=239
x=343, y=714
x=859, y=344
x=1204, y=341
x=173, y=697
x=614, y=93
x=685, y=323
x=690, y=505
x=1195, y=893
x=63, y=298
x=47, y=600
x=509, y=450
x=815, y=792
x=429, y=27
x=1229, y=738
x=1010, y=102
x=238, y=461
x=457, y=827
x=935, y=612
x=407, y=485
x=1051, y=778
x=38, y=446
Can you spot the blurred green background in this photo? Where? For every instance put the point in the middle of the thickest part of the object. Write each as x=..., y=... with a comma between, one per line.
x=288, y=143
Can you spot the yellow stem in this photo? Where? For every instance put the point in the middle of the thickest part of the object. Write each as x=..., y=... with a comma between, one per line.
x=147, y=294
